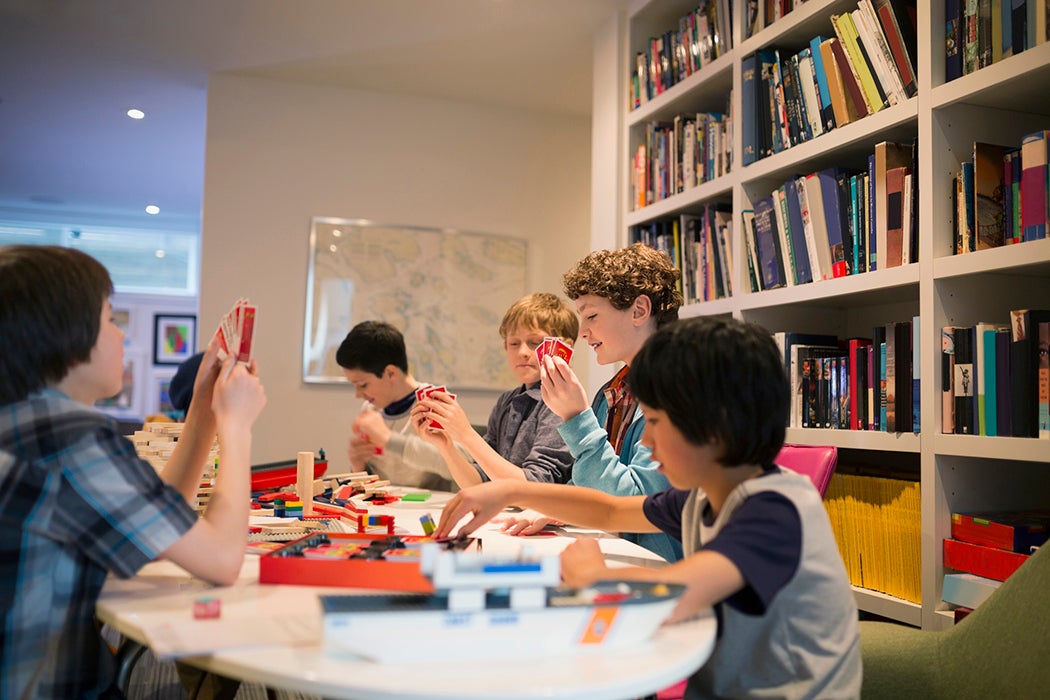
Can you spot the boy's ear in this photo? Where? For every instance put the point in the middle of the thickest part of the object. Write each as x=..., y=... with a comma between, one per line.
x=642, y=308
x=390, y=371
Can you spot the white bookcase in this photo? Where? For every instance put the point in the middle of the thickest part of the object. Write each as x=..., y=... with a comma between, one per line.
x=1000, y=103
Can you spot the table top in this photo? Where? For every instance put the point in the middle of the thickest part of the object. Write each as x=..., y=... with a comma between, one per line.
x=272, y=634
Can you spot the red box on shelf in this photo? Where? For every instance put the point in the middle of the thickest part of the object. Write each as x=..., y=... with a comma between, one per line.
x=397, y=571
x=989, y=562
x=1015, y=532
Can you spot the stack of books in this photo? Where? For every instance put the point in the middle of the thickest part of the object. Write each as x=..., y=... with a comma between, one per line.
x=987, y=548
x=877, y=527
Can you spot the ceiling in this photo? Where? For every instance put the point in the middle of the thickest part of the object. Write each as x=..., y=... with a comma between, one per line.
x=70, y=69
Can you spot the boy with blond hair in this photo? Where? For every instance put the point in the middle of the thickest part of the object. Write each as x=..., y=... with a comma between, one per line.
x=521, y=441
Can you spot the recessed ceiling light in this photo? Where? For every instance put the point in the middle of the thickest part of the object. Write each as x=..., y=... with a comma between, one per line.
x=159, y=253
x=135, y=113
x=152, y=209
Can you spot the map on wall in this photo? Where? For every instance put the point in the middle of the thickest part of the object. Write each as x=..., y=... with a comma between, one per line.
x=446, y=291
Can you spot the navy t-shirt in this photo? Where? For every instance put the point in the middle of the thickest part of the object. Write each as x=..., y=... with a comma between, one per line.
x=763, y=539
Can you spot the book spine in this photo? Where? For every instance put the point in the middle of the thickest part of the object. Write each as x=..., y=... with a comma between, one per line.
x=987, y=413
x=1034, y=185
x=1002, y=383
x=952, y=40
x=827, y=112
x=750, y=120
x=1044, y=380
x=948, y=380
x=964, y=381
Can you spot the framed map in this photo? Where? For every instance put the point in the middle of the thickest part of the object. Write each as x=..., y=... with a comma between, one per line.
x=445, y=290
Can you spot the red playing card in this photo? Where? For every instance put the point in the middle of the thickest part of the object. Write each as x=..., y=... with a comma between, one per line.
x=244, y=351
x=560, y=348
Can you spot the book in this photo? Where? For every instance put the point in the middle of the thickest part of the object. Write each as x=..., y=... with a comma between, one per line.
x=987, y=391
x=869, y=33
x=787, y=254
x=807, y=82
x=988, y=194
x=797, y=354
x=898, y=377
x=797, y=227
x=819, y=228
x=895, y=215
x=953, y=65
x=771, y=267
x=916, y=376
x=1002, y=384
x=750, y=119
x=964, y=381
x=807, y=229
x=820, y=75
x=847, y=34
x=849, y=79
x=1024, y=370
x=1044, y=379
x=888, y=155
x=1012, y=531
x=836, y=223
x=967, y=590
x=948, y=379
x=981, y=371
x=878, y=378
x=989, y=562
x=901, y=36
x=842, y=105
x=857, y=349
x=1034, y=185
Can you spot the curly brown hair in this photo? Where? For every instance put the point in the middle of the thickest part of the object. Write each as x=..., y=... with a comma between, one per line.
x=623, y=275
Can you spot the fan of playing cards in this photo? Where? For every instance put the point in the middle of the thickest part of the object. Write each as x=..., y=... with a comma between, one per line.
x=553, y=346
x=236, y=330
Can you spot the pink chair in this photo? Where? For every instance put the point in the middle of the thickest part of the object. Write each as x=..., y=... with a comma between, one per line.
x=818, y=462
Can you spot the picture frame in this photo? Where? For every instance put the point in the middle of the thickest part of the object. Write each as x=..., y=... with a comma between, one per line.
x=160, y=398
x=174, y=338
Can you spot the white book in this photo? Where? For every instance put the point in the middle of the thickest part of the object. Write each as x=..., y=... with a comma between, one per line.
x=807, y=229
x=909, y=181
x=870, y=32
x=807, y=79
x=786, y=256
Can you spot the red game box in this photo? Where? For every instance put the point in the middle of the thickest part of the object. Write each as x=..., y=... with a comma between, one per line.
x=385, y=562
x=989, y=562
x=1015, y=532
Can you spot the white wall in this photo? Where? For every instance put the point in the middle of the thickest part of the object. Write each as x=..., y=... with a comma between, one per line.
x=280, y=153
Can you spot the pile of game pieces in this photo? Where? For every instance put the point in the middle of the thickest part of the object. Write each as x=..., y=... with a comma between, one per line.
x=553, y=346
x=236, y=332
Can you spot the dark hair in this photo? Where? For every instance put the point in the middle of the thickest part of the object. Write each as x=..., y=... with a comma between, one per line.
x=717, y=378
x=372, y=345
x=50, y=304
x=180, y=390
x=623, y=275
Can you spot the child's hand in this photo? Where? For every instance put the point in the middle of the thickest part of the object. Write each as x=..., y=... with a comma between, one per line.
x=370, y=426
x=360, y=450
x=582, y=563
x=207, y=373
x=420, y=417
x=561, y=389
x=446, y=410
x=238, y=394
x=527, y=523
x=483, y=501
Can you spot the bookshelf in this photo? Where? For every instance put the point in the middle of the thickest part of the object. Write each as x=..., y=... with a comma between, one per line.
x=999, y=103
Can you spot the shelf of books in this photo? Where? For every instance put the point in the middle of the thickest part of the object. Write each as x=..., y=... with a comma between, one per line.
x=833, y=171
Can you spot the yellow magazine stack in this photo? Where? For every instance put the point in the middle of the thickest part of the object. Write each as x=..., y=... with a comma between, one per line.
x=877, y=526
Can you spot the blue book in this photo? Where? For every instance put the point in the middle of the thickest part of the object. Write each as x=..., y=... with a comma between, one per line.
x=796, y=228
x=766, y=241
x=916, y=403
x=969, y=238
x=882, y=387
x=1006, y=27
x=835, y=220
x=953, y=39
x=827, y=114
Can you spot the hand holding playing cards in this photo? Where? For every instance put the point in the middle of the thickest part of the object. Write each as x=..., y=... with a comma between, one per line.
x=238, y=395
x=561, y=388
x=442, y=407
x=420, y=417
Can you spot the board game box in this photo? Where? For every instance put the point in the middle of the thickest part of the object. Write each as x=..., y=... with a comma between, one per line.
x=384, y=562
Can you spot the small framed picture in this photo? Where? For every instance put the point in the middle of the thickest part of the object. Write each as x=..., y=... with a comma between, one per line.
x=160, y=401
x=174, y=338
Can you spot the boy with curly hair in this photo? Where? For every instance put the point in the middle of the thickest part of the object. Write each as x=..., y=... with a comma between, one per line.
x=622, y=296
x=522, y=440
